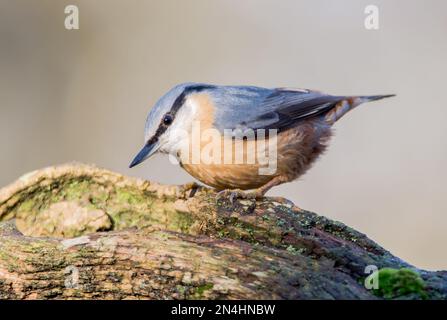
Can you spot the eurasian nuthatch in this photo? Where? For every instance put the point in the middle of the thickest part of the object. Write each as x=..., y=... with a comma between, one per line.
x=301, y=120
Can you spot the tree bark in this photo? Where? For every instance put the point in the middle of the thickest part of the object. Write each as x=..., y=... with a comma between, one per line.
x=80, y=232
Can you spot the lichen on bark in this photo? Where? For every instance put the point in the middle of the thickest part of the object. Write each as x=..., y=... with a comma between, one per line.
x=86, y=233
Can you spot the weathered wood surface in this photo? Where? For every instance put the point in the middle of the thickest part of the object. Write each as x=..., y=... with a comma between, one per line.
x=87, y=233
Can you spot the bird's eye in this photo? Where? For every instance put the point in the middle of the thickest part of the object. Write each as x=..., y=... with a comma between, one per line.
x=167, y=119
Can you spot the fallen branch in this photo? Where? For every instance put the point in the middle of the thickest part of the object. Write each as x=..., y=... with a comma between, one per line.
x=87, y=233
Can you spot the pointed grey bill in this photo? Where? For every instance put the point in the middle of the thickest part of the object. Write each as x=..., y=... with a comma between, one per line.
x=148, y=150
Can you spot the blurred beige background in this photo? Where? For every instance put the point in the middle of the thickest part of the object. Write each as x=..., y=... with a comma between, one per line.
x=84, y=95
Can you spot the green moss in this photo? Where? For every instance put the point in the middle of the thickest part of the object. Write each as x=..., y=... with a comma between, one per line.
x=238, y=231
x=11, y=261
x=182, y=290
x=26, y=206
x=394, y=283
x=130, y=196
x=36, y=247
x=128, y=219
x=182, y=222
x=200, y=290
x=280, y=222
x=294, y=250
x=251, y=232
x=266, y=217
x=99, y=199
x=127, y=207
x=76, y=189
x=222, y=233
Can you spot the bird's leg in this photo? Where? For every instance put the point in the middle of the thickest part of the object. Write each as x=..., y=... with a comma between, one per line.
x=256, y=194
x=261, y=191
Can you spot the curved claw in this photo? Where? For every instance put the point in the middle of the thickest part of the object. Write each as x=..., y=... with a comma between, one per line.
x=192, y=187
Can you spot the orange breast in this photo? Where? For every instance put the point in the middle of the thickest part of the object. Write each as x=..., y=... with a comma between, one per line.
x=297, y=148
x=236, y=165
x=228, y=176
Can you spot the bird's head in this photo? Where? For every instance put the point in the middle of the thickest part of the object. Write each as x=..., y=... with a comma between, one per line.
x=168, y=121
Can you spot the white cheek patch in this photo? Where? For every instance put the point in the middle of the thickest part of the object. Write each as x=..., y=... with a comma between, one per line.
x=186, y=115
x=177, y=136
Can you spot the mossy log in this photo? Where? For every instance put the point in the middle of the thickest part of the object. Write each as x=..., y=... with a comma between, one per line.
x=80, y=232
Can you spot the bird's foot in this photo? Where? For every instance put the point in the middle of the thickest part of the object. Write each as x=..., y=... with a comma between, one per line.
x=190, y=189
x=233, y=194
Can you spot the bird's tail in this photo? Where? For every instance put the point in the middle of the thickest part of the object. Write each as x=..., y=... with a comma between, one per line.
x=346, y=104
x=374, y=98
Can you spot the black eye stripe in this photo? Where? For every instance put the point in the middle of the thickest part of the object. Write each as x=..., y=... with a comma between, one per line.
x=178, y=103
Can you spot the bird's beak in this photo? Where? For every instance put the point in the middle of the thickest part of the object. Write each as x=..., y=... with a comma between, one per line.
x=148, y=150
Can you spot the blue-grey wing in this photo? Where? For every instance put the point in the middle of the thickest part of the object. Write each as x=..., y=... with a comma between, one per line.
x=261, y=108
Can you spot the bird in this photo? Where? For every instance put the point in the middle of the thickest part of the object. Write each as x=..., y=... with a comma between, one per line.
x=299, y=121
